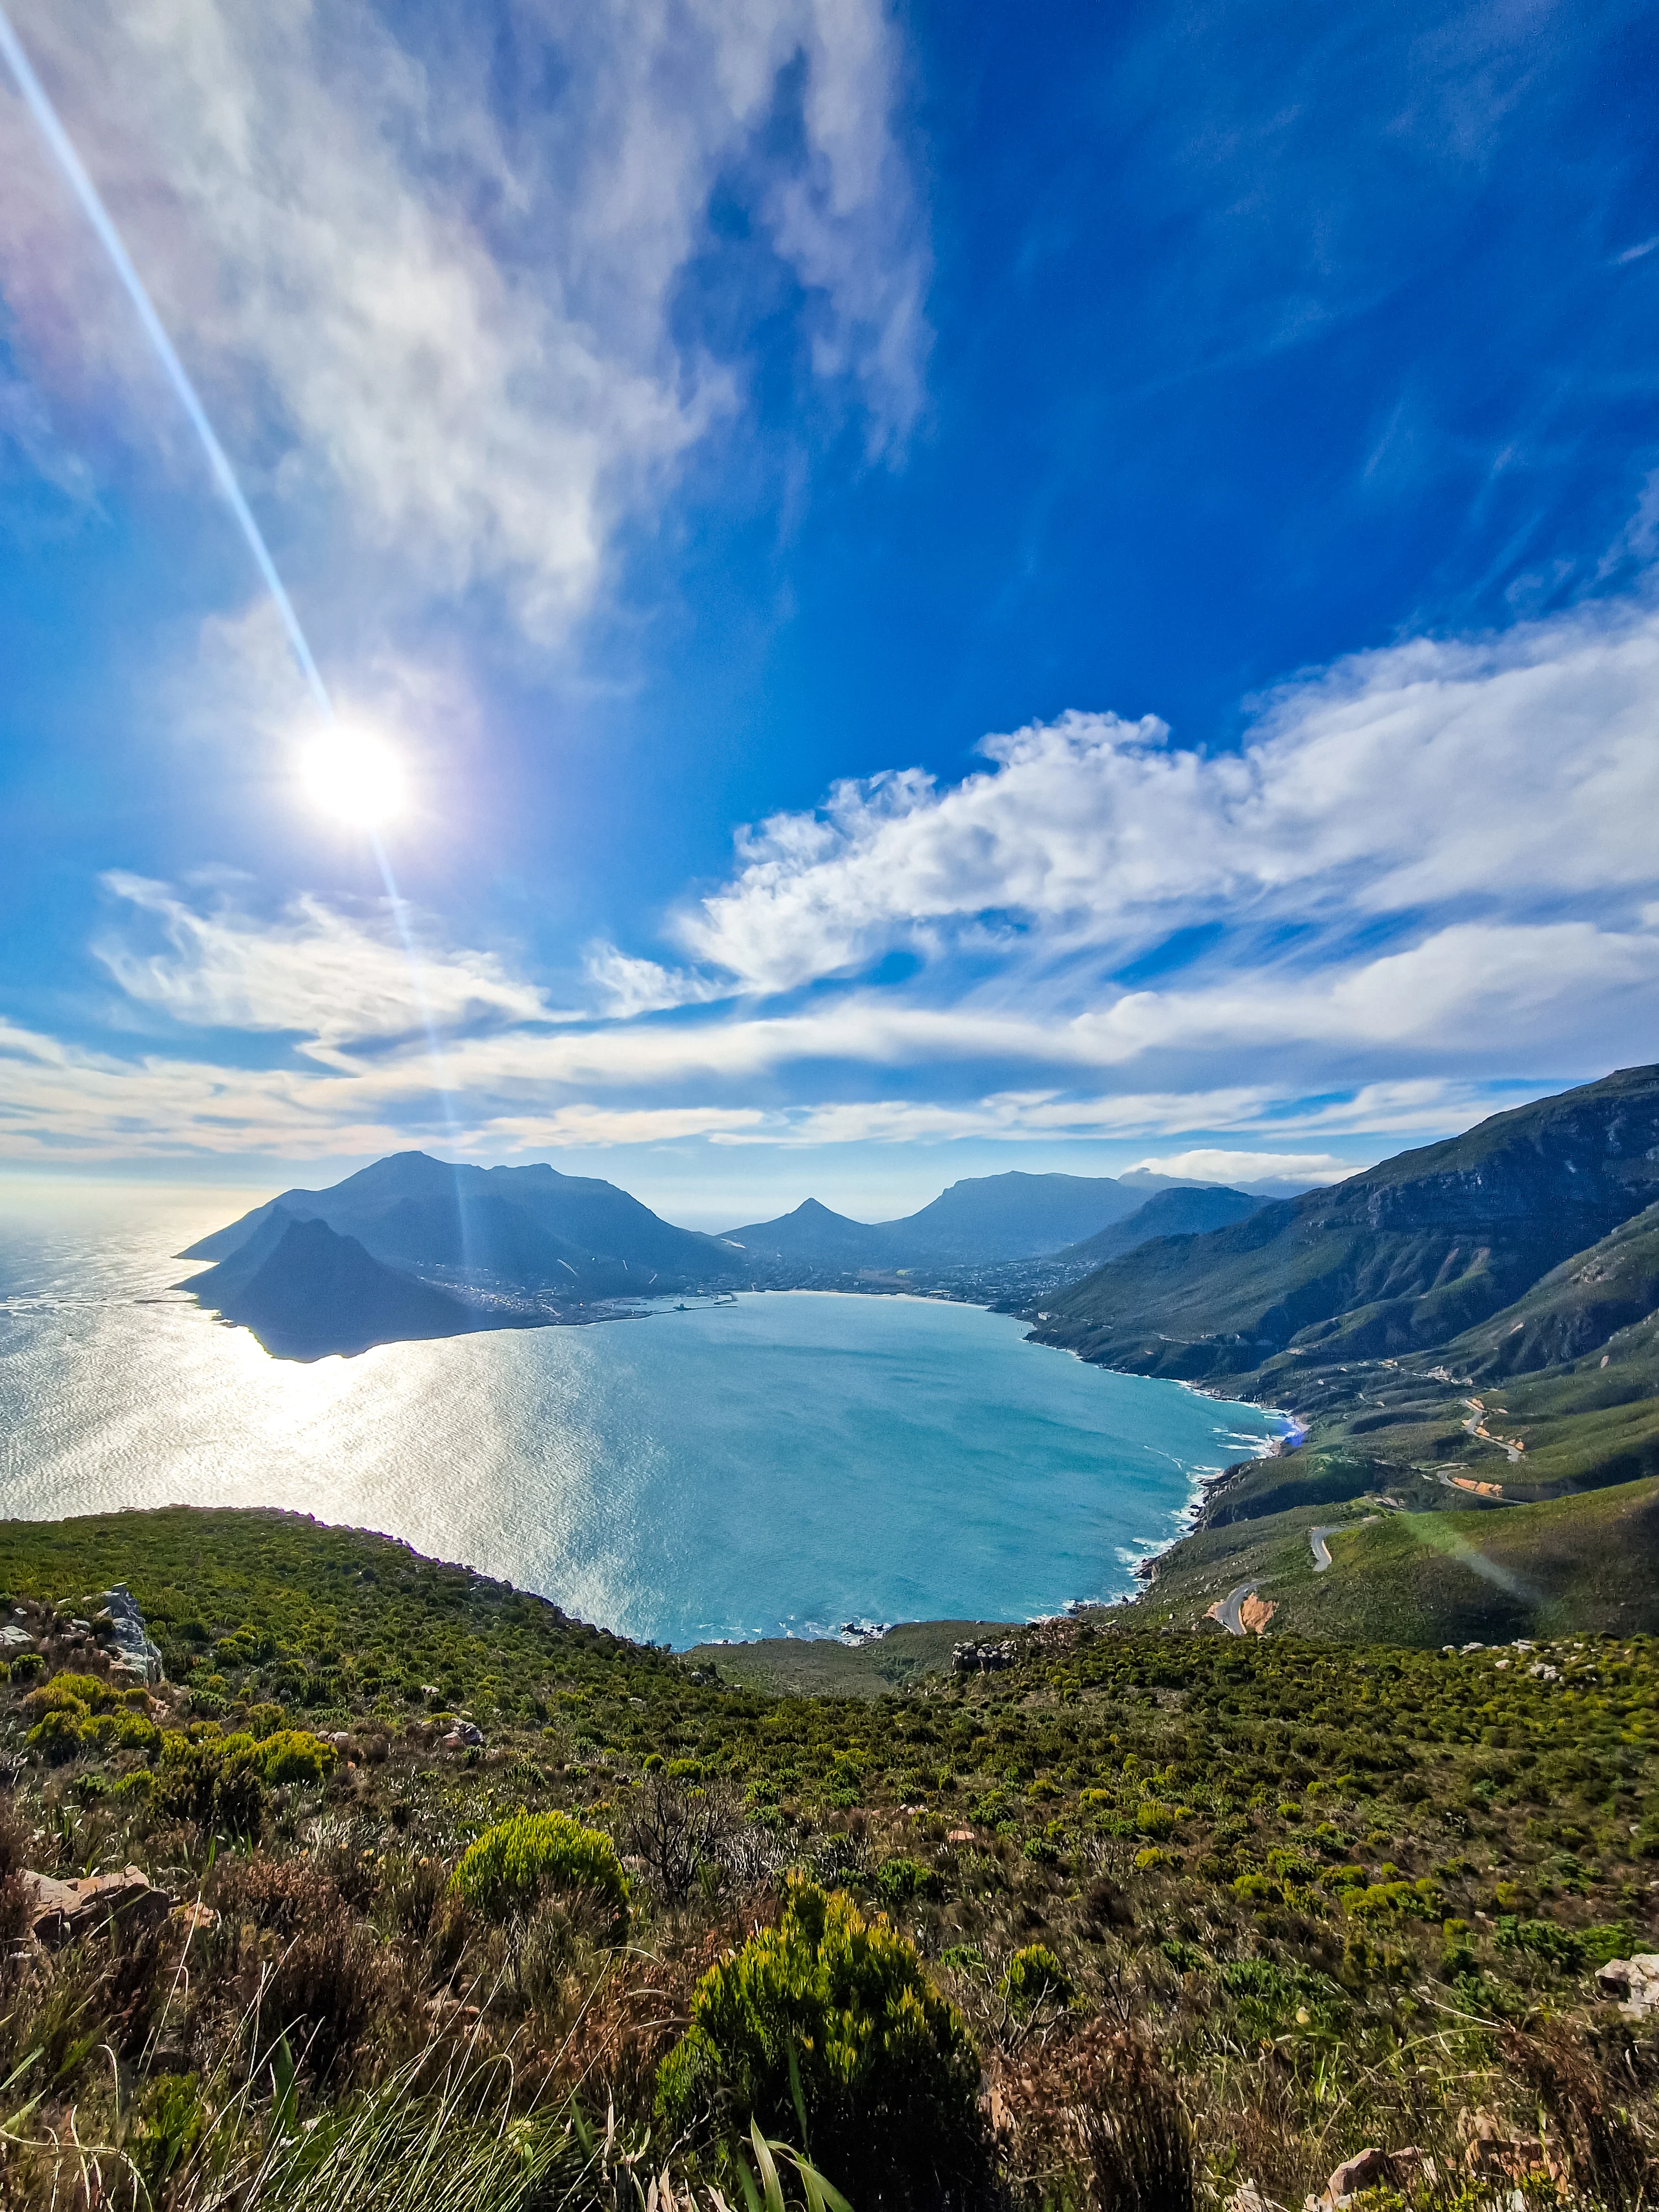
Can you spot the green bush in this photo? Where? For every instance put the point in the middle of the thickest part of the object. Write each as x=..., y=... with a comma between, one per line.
x=74, y=1693
x=1034, y=1976
x=295, y=1755
x=56, y=1734
x=1156, y=1820
x=1557, y=1947
x=898, y=1880
x=25, y=1665
x=838, y=2009
x=519, y=1861
x=218, y=1782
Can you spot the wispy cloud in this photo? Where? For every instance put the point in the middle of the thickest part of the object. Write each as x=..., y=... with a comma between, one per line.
x=1209, y=1163
x=452, y=326
x=329, y=979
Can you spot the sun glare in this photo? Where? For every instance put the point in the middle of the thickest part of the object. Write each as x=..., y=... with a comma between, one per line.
x=356, y=777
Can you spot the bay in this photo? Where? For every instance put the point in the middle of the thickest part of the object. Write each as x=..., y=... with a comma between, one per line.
x=780, y=1465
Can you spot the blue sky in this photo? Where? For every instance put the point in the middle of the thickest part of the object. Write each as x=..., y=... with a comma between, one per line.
x=945, y=589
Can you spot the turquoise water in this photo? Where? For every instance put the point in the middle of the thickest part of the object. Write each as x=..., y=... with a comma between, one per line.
x=783, y=1465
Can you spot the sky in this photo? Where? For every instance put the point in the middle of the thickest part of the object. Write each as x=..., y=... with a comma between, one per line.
x=903, y=592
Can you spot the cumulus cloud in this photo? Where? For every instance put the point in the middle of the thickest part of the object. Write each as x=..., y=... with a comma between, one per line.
x=455, y=323
x=1495, y=778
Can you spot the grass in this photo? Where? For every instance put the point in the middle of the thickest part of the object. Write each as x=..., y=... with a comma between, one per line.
x=1311, y=1895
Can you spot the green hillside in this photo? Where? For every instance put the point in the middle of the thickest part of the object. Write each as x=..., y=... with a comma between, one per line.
x=1132, y=1920
x=1573, y=1310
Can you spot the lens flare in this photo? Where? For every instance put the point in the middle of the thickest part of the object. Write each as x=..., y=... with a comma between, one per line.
x=356, y=777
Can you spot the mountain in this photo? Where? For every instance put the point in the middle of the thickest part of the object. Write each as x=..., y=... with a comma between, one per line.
x=1571, y=1312
x=305, y=1292
x=1406, y=1256
x=1179, y=1212
x=1009, y=1217
x=531, y=1226
x=814, y=1236
x=981, y=1221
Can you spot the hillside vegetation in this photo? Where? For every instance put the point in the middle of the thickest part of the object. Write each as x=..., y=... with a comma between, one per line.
x=1469, y=1336
x=1132, y=1920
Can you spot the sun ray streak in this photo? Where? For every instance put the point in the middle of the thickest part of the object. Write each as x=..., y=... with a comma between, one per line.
x=62, y=151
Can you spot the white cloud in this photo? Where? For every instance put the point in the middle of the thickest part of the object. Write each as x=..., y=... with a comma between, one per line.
x=627, y=985
x=332, y=980
x=1209, y=1164
x=456, y=326
x=1494, y=778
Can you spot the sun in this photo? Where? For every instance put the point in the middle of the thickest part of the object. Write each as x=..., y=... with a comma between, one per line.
x=354, y=775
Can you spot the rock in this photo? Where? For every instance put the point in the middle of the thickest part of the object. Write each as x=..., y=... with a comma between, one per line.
x=1367, y=2169
x=1250, y=2198
x=13, y=1637
x=58, y=1910
x=1489, y=2149
x=981, y=1658
x=1358, y=2173
x=124, y=1624
x=1636, y=1979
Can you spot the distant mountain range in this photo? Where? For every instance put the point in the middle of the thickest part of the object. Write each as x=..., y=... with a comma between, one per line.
x=531, y=1226
x=414, y=1247
x=984, y=1220
x=1193, y=1281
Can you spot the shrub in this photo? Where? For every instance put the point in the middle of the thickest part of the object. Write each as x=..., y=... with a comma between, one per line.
x=56, y=1734
x=1154, y=1820
x=295, y=1755
x=514, y=1864
x=1035, y=1977
x=74, y=1694
x=1542, y=1939
x=169, y=2123
x=830, y=2018
x=26, y=1665
x=217, y=1783
x=898, y=1880
x=1138, y=2144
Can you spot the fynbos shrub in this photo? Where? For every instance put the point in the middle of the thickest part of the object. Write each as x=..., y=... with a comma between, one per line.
x=836, y=2010
x=519, y=1861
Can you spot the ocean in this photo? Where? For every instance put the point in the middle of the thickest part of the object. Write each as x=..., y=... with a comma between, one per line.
x=779, y=1465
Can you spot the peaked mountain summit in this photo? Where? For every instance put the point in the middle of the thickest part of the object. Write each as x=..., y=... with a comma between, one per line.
x=305, y=1292
x=531, y=1226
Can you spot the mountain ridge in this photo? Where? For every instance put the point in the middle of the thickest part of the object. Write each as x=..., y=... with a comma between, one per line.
x=1405, y=1255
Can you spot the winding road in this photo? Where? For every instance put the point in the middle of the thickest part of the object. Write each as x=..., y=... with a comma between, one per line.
x=1322, y=1550
x=1227, y=1612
